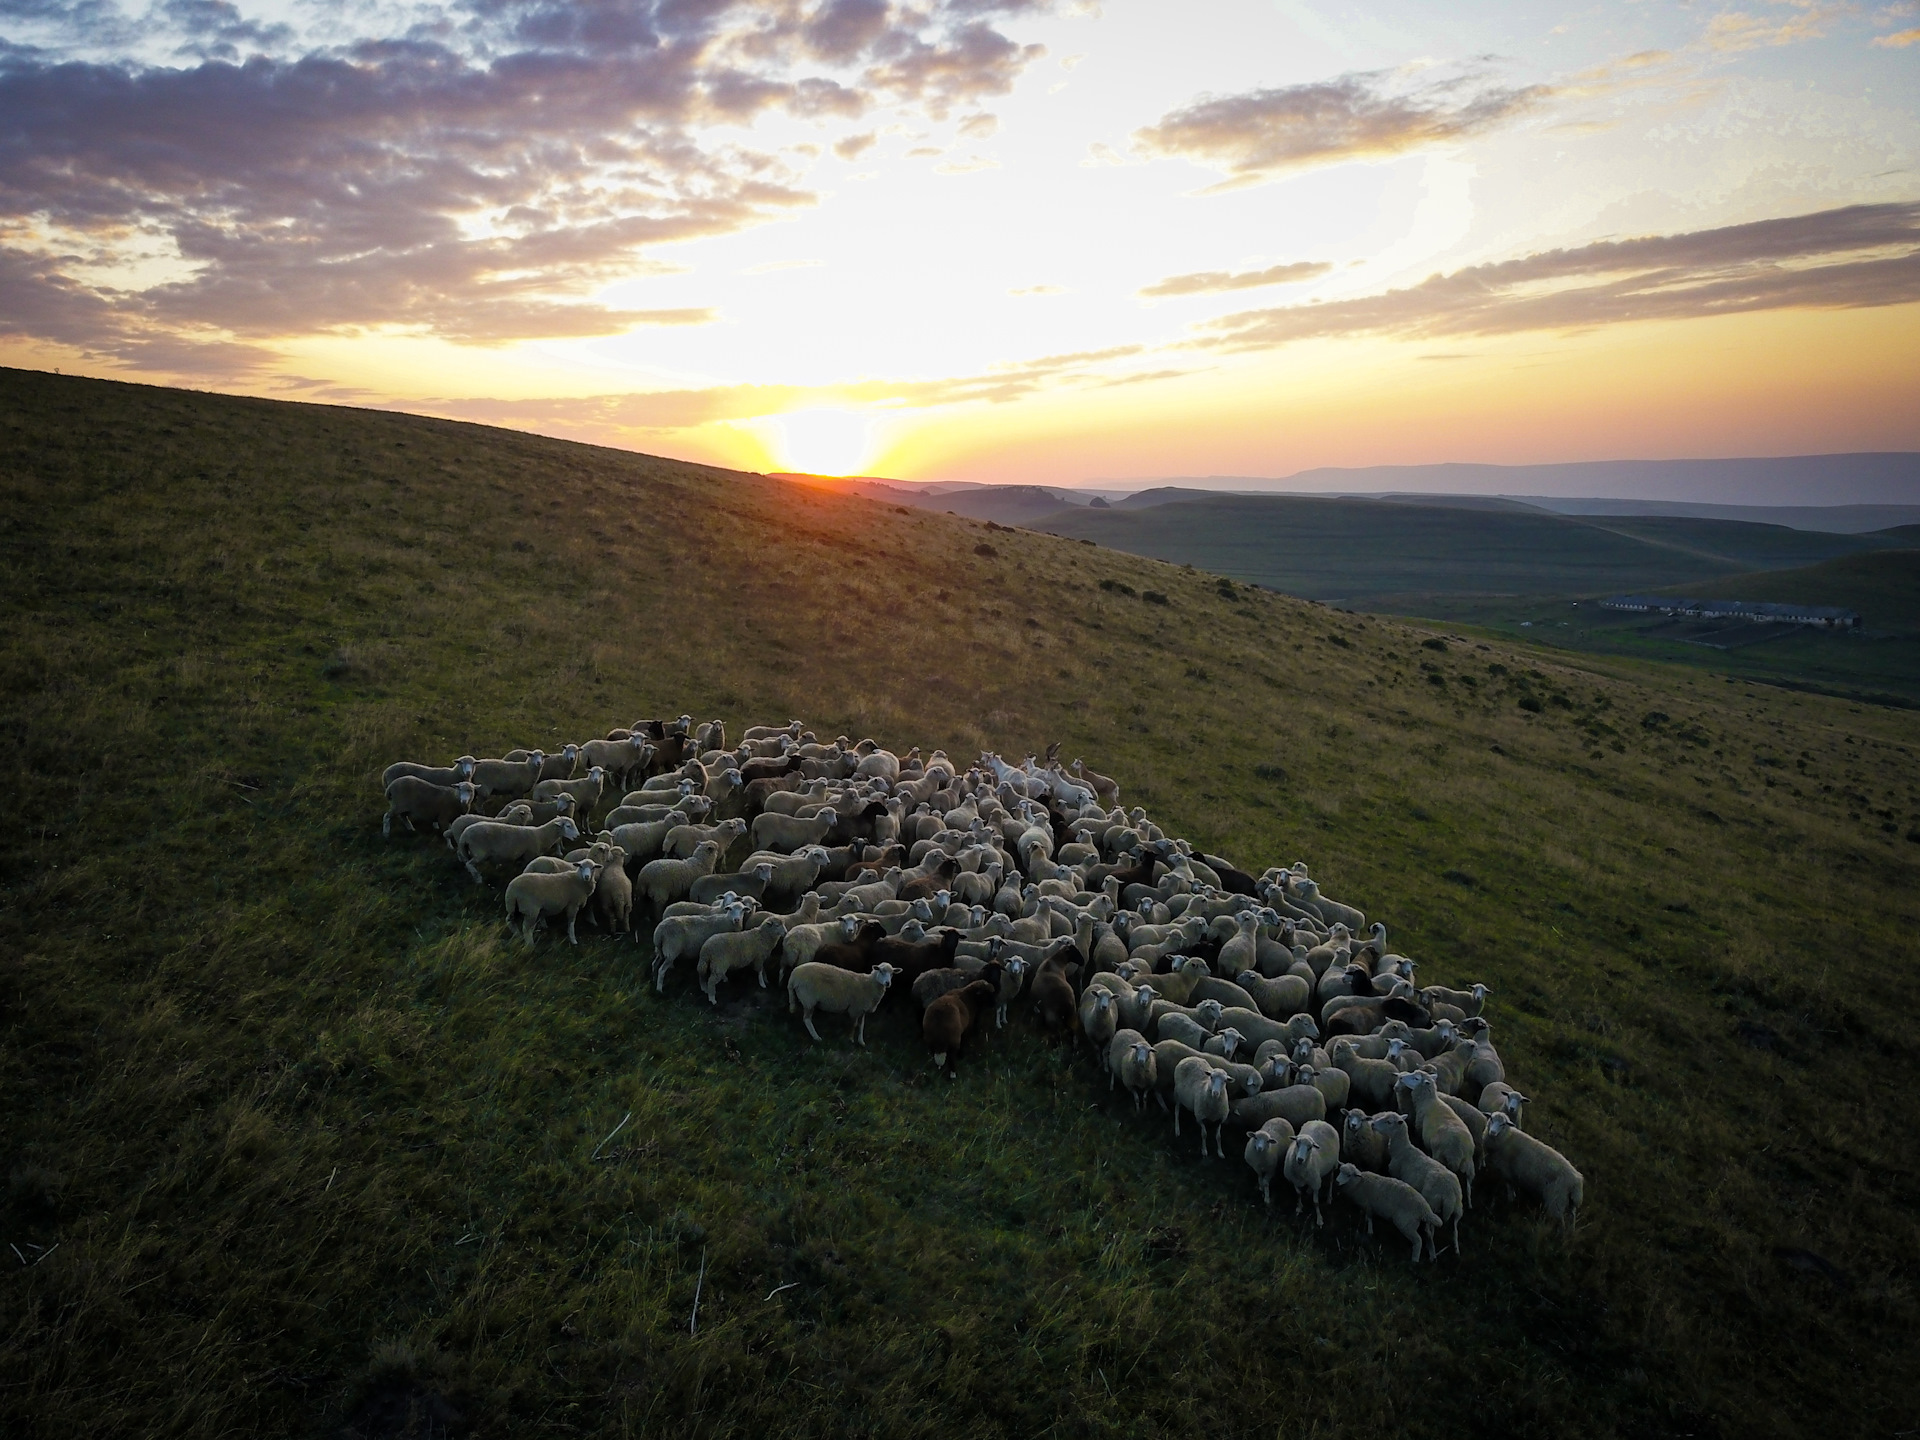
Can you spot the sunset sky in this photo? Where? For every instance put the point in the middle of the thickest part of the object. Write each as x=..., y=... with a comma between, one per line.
x=1051, y=243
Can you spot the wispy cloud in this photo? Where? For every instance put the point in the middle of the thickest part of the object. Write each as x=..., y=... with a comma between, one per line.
x=1207, y=282
x=1856, y=257
x=1789, y=24
x=1034, y=291
x=1899, y=40
x=1362, y=116
x=479, y=179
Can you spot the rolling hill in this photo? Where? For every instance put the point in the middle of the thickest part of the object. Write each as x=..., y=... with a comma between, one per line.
x=1883, y=586
x=299, y=1142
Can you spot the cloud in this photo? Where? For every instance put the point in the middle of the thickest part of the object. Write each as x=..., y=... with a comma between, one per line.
x=1899, y=40
x=1855, y=257
x=978, y=127
x=1032, y=291
x=480, y=178
x=1207, y=282
x=1736, y=30
x=852, y=147
x=1360, y=116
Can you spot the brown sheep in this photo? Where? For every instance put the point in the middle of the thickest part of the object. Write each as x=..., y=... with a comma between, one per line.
x=1053, y=999
x=947, y=1020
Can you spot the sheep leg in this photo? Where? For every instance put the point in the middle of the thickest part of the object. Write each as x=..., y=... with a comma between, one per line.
x=1176, y=1120
x=1456, y=1234
x=572, y=917
x=860, y=1030
x=386, y=823
x=807, y=1019
x=475, y=873
x=1319, y=1220
x=1418, y=1237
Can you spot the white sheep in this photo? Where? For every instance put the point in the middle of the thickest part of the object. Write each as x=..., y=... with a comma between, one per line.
x=1310, y=1163
x=535, y=896
x=1099, y=1019
x=728, y=951
x=642, y=839
x=788, y=833
x=1501, y=1098
x=661, y=882
x=1201, y=1089
x=586, y=791
x=461, y=769
x=683, y=840
x=509, y=779
x=500, y=847
x=1394, y=1201
x=1266, y=1148
x=415, y=799
x=1443, y=1134
x=679, y=936
x=1535, y=1167
x=814, y=986
x=1437, y=1185
x=1131, y=1061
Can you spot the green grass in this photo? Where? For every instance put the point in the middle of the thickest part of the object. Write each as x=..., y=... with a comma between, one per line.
x=1884, y=587
x=298, y=1139
x=1371, y=553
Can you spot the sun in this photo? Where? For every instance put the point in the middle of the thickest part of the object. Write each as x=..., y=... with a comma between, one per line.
x=824, y=442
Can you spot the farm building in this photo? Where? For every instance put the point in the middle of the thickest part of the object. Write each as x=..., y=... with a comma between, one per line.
x=1830, y=617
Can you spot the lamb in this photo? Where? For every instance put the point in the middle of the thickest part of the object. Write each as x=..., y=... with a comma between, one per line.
x=449, y=775
x=1310, y=1164
x=1279, y=998
x=1394, y=1201
x=814, y=986
x=947, y=1020
x=677, y=936
x=1437, y=1185
x=1443, y=1134
x=1099, y=1018
x=788, y=833
x=1131, y=1061
x=1535, y=1167
x=1242, y=950
x=1266, y=1147
x=1177, y=984
x=662, y=882
x=536, y=896
x=728, y=951
x=794, y=874
x=415, y=799
x=1200, y=1088
x=501, y=847
x=508, y=779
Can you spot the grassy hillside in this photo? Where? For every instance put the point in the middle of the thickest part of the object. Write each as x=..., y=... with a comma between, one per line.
x=298, y=1141
x=1371, y=553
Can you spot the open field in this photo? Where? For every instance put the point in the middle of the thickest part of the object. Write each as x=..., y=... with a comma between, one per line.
x=298, y=1140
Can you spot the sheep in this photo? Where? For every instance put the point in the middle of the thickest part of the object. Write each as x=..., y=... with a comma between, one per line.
x=1177, y=984
x=1437, y=1185
x=814, y=986
x=518, y=813
x=500, y=847
x=613, y=892
x=1052, y=997
x=1099, y=1018
x=1242, y=950
x=1266, y=1147
x=642, y=839
x=931, y=985
x=677, y=936
x=1362, y=1144
x=1178, y=1025
x=794, y=874
x=552, y=767
x=449, y=775
x=804, y=940
x=1501, y=1098
x=663, y=881
x=1394, y=1201
x=412, y=798
x=788, y=833
x=1226, y=1043
x=683, y=840
x=1467, y=1002
x=1443, y=1134
x=1535, y=1167
x=945, y=1023
x=1295, y=1103
x=618, y=758
x=536, y=896
x=752, y=882
x=508, y=779
x=1310, y=1163
x=1476, y=1124
x=1279, y=998
x=1224, y=992
x=1335, y=1086
x=1198, y=1087
x=586, y=791
x=1484, y=1066
x=1131, y=1061
x=728, y=951
x=1373, y=1081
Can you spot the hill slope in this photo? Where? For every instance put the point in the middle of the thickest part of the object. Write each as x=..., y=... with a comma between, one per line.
x=1884, y=587
x=297, y=1139
x=1367, y=551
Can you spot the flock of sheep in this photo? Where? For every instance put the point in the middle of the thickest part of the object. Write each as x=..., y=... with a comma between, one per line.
x=1226, y=997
